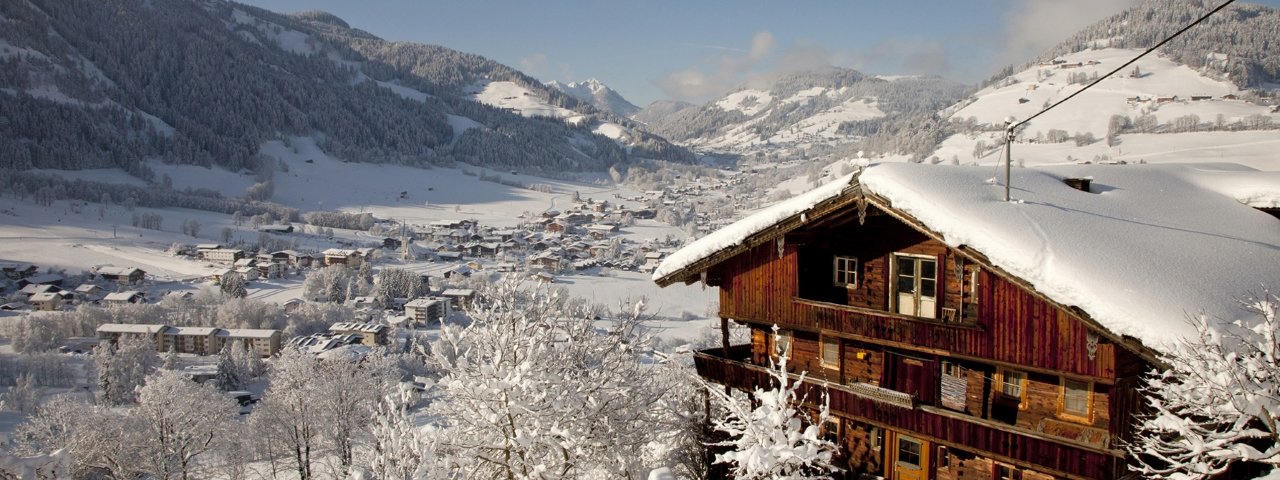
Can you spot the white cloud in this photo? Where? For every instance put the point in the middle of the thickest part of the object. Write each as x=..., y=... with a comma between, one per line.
x=1033, y=26
x=721, y=73
x=541, y=66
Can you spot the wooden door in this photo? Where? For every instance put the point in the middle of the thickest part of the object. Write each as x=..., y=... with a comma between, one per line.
x=916, y=284
x=910, y=457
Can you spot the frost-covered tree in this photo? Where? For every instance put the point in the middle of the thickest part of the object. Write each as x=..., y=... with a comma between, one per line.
x=399, y=449
x=229, y=374
x=23, y=396
x=180, y=420
x=531, y=389
x=771, y=436
x=123, y=368
x=1216, y=408
x=233, y=285
x=313, y=404
x=334, y=283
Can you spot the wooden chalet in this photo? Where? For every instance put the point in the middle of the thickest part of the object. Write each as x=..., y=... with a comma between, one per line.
x=962, y=336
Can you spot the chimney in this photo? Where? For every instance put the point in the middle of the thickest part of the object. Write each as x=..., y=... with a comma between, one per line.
x=1080, y=183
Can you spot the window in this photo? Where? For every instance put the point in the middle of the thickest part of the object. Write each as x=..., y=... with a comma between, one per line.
x=1006, y=472
x=951, y=369
x=944, y=460
x=908, y=452
x=782, y=344
x=1013, y=383
x=846, y=271
x=1076, y=399
x=916, y=285
x=874, y=439
x=830, y=347
x=831, y=430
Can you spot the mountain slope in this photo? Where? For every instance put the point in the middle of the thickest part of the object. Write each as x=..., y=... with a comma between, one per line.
x=598, y=95
x=124, y=82
x=1189, y=101
x=800, y=114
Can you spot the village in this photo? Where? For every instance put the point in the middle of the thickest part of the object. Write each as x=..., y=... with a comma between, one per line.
x=450, y=257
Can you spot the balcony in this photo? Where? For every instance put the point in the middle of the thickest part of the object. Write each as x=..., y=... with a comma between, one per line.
x=900, y=412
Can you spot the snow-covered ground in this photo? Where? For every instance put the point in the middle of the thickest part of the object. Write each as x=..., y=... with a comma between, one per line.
x=1160, y=88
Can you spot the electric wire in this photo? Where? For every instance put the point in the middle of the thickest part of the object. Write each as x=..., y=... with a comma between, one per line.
x=1130, y=62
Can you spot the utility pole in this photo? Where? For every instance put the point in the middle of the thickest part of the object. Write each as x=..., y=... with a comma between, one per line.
x=1008, y=155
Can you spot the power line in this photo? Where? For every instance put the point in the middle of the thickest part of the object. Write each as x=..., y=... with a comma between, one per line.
x=1130, y=62
x=1013, y=126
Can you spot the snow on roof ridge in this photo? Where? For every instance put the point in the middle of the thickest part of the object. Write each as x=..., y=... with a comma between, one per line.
x=735, y=233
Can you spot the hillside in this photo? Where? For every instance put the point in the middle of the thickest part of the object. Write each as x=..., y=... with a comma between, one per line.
x=598, y=95
x=809, y=113
x=123, y=83
x=1209, y=95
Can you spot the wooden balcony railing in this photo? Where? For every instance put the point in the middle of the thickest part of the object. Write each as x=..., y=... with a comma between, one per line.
x=898, y=411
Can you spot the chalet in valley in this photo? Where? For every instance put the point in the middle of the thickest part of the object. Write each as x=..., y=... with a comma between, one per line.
x=963, y=336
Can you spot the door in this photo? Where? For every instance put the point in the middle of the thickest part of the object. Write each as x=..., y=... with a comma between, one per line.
x=916, y=283
x=910, y=458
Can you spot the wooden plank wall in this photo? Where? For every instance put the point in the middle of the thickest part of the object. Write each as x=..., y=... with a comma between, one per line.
x=955, y=431
x=1013, y=325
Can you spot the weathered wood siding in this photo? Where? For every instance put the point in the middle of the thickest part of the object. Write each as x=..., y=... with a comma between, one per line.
x=1012, y=325
x=931, y=426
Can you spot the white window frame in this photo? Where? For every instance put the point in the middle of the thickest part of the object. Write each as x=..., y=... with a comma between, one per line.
x=894, y=276
x=846, y=276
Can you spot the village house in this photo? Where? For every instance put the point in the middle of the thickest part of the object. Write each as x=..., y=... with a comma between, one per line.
x=38, y=288
x=88, y=291
x=18, y=271
x=42, y=279
x=224, y=255
x=371, y=334
x=340, y=256
x=427, y=311
x=122, y=298
x=959, y=335
x=47, y=301
x=122, y=275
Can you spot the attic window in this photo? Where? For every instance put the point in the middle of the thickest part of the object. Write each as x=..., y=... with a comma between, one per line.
x=1081, y=183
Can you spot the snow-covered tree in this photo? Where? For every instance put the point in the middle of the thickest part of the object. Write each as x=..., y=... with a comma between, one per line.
x=400, y=450
x=233, y=285
x=123, y=368
x=180, y=420
x=313, y=404
x=23, y=396
x=1216, y=408
x=531, y=389
x=771, y=435
x=229, y=375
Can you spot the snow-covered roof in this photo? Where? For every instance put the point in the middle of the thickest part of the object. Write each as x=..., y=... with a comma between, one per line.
x=247, y=333
x=122, y=296
x=130, y=328
x=422, y=302
x=192, y=331
x=117, y=271
x=1150, y=246
x=736, y=232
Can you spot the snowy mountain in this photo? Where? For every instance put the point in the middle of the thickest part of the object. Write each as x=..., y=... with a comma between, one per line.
x=1208, y=96
x=210, y=82
x=658, y=111
x=598, y=95
x=804, y=113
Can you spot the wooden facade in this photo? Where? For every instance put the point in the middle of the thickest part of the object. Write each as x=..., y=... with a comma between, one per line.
x=999, y=379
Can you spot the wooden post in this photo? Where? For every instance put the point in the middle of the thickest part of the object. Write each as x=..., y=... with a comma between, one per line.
x=724, y=337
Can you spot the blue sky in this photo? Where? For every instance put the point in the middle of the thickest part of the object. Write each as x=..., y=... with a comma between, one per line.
x=694, y=50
